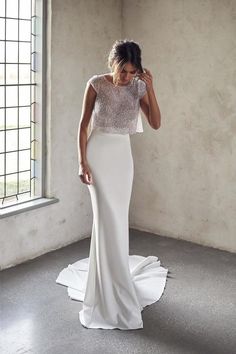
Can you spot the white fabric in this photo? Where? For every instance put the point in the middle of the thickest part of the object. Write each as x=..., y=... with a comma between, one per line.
x=117, y=108
x=113, y=285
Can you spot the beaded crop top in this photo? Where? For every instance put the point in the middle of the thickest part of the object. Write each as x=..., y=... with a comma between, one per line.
x=117, y=108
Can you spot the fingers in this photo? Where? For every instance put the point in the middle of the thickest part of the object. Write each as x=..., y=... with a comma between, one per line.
x=86, y=178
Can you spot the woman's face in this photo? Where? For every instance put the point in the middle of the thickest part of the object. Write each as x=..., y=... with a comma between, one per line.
x=127, y=73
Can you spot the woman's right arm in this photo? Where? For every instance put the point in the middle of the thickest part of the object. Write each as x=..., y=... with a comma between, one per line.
x=87, y=109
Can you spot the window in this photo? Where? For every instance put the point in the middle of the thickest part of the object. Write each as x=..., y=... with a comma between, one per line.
x=22, y=104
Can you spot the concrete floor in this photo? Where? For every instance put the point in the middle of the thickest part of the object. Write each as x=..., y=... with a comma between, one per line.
x=196, y=314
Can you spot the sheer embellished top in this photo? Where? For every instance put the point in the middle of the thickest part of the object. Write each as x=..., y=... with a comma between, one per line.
x=117, y=108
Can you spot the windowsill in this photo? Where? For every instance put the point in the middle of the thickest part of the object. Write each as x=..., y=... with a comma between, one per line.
x=25, y=206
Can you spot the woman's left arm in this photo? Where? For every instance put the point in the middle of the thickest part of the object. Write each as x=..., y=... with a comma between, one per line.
x=148, y=102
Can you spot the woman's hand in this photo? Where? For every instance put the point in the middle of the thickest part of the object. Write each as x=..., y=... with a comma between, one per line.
x=85, y=173
x=146, y=76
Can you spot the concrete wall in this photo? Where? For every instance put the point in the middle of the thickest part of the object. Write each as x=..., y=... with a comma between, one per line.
x=188, y=166
x=80, y=36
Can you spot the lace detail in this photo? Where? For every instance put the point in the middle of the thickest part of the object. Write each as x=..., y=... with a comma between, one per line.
x=117, y=109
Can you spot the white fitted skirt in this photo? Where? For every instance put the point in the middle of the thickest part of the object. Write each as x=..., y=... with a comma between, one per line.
x=112, y=285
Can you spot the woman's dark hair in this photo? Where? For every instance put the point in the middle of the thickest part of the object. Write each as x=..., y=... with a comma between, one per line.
x=122, y=52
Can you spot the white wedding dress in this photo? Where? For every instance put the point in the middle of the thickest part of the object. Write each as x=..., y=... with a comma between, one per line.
x=113, y=286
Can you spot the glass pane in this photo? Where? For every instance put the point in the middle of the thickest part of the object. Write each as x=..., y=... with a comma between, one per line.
x=24, y=181
x=2, y=28
x=33, y=25
x=24, y=95
x=24, y=72
x=11, y=93
x=11, y=184
x=33, y=112
x=11, y=74
x=12, y=29
x=24, y=138
x=33, y=12
x=33, y=143
x=11, y=52
x=12, y=8
x=11, y=118
x=24, y=116
x=2, y=123
x=33, y=61
x=25, y=28
x=32, y=132
x=2, y=164
x=25, y=8
x=1, y=187
x=24, y=160
x=11, y=140
x=32, y=44
x=2, y=51
x=33, y=186
x=33, y=77
x=2, y=8
x=32, y=93
x=2, y=95
x=11, y=162
x=24, y=49
x=2, y=142
x=2, y=70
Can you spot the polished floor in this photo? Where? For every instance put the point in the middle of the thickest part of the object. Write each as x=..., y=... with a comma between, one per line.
x=195, y=315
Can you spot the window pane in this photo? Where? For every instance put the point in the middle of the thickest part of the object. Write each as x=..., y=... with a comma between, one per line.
x=2, y=95
x=11, y=118
x=24, y=138
x=33, y=143
x=32, y=132
x=2, y=142
x=24, y=117
x=11, y=93
x=1, y=187
x=11, y=140
x=25, y=27
x=24, y=160
x=33, y=61
x=11, y=162
x=2, y=28
x=2, y=70
x=24, y=181
x=24, y=74
x=33, y=96
x=2, y=164
x=33, y=26
x=32, y=43
x=11, y=52
x=11, y=184
x=12, y=29
x=2, y=51
x=12, y=8
x=17, y=98
x=11, y=74
x=2, y=124
x=2, y=8
x=24, y=52
x=25, y=7
x=24, y=95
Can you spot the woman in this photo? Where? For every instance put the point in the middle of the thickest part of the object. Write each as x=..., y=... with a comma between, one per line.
x=113, y=285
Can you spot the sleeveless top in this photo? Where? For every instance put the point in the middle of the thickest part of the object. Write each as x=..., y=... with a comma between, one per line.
x=117, y=108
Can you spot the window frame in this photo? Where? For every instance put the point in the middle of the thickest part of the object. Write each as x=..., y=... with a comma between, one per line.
x=41, y=115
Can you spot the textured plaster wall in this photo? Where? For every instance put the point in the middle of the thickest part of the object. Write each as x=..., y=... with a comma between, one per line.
x=80, y=35
x=185, y=184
